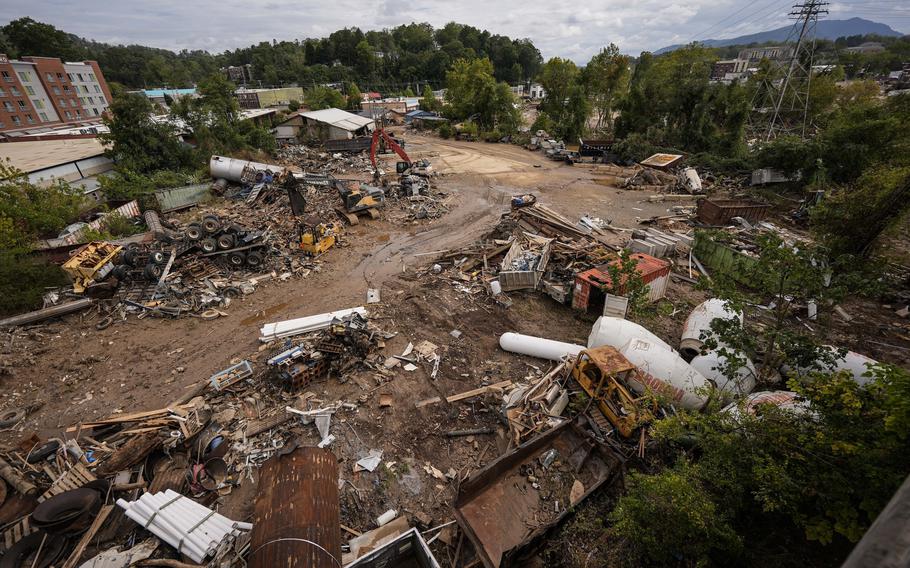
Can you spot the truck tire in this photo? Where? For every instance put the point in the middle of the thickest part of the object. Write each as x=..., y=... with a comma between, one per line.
x=211, y=224
x=153, y=271
x=194, y=231
x=226, y=241
x=129, y=257
x=254, y=259
x=209, y=245
x=237, y=259
x=157, y=257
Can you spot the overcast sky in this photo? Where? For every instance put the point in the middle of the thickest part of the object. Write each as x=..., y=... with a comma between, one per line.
x=567, y=29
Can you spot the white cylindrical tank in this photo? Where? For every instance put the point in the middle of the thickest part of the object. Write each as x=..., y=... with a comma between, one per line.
x=710, y=366
x=231, y=168
x=538, y=346
x=616, y=332
x=700, y=320
x=856, y=363
x=665, y=372
x=785, y=400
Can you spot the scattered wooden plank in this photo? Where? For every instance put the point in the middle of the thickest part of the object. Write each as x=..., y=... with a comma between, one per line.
x=481, y=390
x=133, y=417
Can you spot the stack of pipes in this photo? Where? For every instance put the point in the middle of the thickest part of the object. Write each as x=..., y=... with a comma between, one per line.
x=186, y=525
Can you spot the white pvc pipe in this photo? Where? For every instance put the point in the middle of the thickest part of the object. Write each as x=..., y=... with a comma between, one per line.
x=162, y=527
x=700, y=321
x=175, y=525
x=616, y=332
x=210, y=537
x=191, y=505
x=666, y=373
x=206, y=538
x=538, y=346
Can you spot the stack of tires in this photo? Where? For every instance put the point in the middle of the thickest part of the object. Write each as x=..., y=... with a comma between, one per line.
x=212, y=235
x=133, y=258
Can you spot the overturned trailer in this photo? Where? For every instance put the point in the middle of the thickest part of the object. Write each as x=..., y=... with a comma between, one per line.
x=505, y=515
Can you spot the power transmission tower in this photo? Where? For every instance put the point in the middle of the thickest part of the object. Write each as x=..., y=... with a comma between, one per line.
x=786, y=99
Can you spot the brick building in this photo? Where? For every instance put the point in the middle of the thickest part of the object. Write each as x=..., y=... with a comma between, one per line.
x=45, y=91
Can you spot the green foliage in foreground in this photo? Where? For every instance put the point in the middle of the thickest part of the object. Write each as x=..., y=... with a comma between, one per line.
x=826, y=472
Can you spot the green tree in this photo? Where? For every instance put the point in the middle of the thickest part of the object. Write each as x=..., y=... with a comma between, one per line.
x=213, y=117
x=428, y=101
x=29, y=212
x=473, y=93
x=319, y=98
x=31, y=38
x=135, y=141
x=606, y=78
x=354, y=97
x=565, y=102
x=851, y=219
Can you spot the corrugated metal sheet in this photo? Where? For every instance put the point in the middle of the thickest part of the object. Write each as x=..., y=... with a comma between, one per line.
x=181, y=197
x=296, y=516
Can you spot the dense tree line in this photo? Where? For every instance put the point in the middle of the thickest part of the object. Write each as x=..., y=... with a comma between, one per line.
x=386, y=60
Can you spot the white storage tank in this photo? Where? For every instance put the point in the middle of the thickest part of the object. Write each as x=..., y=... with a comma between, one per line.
x=710, y=366
x=785, y=400
x=856, y=363
x=231, y=169
x=538, y=346
x=700, y=320
x=616, y=332
x=666, y=373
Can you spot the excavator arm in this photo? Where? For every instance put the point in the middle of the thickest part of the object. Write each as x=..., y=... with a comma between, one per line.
x=374, y=145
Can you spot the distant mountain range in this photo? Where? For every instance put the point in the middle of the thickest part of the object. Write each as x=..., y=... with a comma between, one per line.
x=826, y=29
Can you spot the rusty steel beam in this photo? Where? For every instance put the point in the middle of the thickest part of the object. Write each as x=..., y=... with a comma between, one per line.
x=296, y=517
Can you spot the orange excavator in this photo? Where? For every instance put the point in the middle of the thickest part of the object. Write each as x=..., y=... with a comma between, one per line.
x=382, y=142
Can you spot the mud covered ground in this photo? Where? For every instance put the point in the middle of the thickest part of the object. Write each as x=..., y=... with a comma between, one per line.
x=65, y=372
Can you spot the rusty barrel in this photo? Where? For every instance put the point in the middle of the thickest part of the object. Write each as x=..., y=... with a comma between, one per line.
x=296, y=516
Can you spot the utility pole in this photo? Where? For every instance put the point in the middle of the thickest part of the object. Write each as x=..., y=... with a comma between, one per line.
x=789, y=96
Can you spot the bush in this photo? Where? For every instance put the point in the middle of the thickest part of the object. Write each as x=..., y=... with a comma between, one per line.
x=23, y=280
x=669, y=515
x=293, y=105
x=492, y=136
x=445, y=130
x=635, y=147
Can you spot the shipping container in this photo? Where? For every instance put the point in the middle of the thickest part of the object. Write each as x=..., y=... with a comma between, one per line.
x=591, y=285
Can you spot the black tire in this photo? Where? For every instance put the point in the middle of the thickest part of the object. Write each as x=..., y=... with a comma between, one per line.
x=231, y=292
x=11, y=417
x=211, y=224
x=42, y=452
x=153, y=271
x=194, y=231
x=157, y=257
x=254, y=259
x=226, y=241
x=129, y=256
x=209, y=245
x=121, y=271
x=237, y=259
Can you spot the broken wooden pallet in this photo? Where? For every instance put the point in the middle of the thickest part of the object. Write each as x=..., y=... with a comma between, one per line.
x=16, y=533
x=75, y=478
